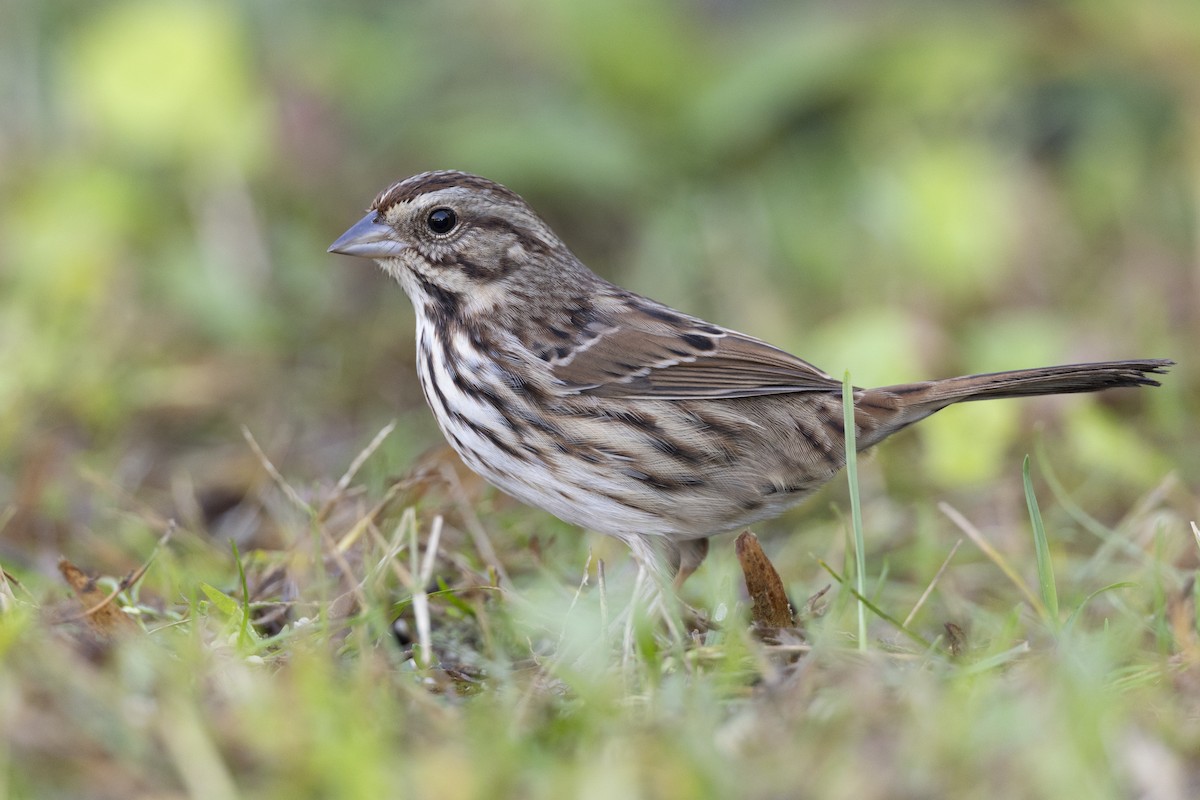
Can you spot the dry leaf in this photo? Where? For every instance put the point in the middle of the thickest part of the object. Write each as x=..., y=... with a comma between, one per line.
x=99, y=609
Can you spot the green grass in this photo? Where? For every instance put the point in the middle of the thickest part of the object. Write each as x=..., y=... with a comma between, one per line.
x=860, y=564
x=543, y=688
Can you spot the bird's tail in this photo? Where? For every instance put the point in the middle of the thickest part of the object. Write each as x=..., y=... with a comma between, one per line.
x=890, y=408
x=1032, y=382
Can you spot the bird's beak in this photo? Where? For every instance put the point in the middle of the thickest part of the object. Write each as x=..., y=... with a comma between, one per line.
x=368, y=239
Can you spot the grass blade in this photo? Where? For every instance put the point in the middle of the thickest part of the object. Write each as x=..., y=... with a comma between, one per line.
x=1075, y=614
x=244, y=631
x=976, y=536
x=860, y=568
x=1042, y=548
x=876, y=610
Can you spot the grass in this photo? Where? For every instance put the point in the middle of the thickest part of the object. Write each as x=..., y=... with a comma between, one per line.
x=860, y=564
x=375, y=657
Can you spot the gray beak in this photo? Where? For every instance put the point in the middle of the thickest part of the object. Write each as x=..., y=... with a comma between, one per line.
x=368, y=239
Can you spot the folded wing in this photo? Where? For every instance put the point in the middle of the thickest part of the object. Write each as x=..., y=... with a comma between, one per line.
x=649, y=351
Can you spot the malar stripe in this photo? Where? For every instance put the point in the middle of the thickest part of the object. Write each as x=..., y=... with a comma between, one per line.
x=456, y=260
x=446, y=302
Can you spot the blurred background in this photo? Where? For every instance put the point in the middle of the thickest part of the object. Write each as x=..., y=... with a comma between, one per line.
x=906, y=193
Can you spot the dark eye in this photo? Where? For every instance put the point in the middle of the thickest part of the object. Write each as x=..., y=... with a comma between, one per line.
x=442, y=220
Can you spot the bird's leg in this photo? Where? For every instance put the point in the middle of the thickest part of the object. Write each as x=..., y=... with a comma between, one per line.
x=688, y=555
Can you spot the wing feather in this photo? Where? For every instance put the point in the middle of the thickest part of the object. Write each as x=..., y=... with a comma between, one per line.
x=649, y=351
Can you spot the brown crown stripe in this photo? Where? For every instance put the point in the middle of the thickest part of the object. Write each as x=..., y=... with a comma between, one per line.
x=411, y=188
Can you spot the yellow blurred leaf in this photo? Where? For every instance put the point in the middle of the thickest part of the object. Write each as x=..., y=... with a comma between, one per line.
x=965, y=444
x=170, y=79
x=1111, y=446
x=950, y=207
x=879, y=345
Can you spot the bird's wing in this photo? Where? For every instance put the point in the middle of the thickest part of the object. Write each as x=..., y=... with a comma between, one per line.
x=649, y=351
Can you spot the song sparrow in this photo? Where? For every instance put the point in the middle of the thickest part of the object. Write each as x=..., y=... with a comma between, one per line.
x=616, y=412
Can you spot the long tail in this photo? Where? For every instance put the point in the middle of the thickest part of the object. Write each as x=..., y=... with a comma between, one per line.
x=890, y=408
x=1031, y=382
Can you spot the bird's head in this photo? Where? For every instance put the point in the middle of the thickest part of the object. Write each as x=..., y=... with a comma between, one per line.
x=451, y=236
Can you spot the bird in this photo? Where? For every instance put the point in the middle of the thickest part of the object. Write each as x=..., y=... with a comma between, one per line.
x=616, y=412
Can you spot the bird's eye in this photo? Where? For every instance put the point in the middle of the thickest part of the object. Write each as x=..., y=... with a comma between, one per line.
x=442, y=220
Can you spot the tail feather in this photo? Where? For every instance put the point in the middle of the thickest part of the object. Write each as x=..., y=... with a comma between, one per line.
x=1066, y=379
x=889, y=408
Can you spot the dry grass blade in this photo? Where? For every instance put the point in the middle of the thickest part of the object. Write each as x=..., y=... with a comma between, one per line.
x=390, y=558
x=334, y=548
x=367, y=521
x=344, y=482
x=929, y=589
x=627, y=654
x=7, y=597
x=479, y=535
x=276, y=476
x=421, y=569
x=992, y=553
x=346, y=573
x=583, y=582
